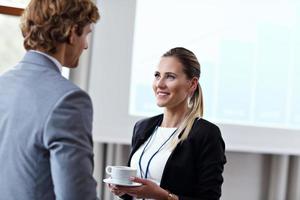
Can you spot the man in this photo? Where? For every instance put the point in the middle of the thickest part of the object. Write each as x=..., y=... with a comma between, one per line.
x=46, y=149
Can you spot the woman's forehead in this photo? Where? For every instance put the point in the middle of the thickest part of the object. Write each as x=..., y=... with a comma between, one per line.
x=170, y=64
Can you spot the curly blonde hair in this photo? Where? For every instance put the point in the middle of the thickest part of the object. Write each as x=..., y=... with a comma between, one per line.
x=47, y=23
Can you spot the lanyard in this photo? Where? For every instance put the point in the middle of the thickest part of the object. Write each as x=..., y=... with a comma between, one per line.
x=142, y=154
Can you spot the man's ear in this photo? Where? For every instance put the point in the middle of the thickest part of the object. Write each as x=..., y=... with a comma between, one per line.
x=72, y=35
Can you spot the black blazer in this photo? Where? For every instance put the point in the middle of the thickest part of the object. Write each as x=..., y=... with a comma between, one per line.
x=194, y=169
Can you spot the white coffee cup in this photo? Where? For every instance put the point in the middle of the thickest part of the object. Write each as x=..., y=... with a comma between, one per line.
x=121, y=174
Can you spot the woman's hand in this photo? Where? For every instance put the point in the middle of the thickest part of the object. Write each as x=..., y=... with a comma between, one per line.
x=148, y=189
x=113, y=189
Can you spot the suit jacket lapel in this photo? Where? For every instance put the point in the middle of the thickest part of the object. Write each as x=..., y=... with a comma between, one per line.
x=143, y=133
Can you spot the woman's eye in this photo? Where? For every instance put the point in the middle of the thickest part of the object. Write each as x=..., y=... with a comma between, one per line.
x=156, y=75
x=170, y=77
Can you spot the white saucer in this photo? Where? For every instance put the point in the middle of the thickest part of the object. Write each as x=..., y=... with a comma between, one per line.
x=116, y=182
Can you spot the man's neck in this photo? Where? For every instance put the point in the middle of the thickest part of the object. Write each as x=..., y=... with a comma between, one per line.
x=52, y=57
x=58, y=55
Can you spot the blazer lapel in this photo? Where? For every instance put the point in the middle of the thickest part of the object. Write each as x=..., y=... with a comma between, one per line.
x=144, y=132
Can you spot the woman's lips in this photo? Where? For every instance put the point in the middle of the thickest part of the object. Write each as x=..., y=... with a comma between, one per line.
x=162, y=94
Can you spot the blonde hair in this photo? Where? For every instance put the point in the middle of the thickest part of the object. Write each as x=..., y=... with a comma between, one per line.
x=46, y=23
x=191, y=68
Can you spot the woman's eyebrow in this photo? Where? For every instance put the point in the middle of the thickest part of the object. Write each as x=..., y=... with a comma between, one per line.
x=171, y=73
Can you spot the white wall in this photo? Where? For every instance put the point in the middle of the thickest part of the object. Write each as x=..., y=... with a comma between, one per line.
x=246, y=176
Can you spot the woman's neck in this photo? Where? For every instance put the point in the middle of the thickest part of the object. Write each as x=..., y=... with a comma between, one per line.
x=173, y=118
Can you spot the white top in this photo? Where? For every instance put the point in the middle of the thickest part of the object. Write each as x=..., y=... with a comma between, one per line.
x=158, y=162
x=56, y=62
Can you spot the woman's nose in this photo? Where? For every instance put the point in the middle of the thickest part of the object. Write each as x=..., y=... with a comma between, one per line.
x=160, y=83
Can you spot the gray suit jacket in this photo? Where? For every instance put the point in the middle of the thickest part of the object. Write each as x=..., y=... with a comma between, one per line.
x=46, y=149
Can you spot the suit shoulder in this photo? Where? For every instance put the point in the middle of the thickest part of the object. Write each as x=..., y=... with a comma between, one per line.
x=66, y=84
x=206, y=123
x=65, y=87
x=205, y=128
x=63, y=92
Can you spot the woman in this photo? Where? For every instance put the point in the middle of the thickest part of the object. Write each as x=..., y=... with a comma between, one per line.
x=178, y=154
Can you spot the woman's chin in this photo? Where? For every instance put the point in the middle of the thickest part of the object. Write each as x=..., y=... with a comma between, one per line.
x=160, y=104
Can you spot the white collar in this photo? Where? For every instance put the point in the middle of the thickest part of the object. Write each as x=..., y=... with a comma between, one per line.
x=56, y=62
